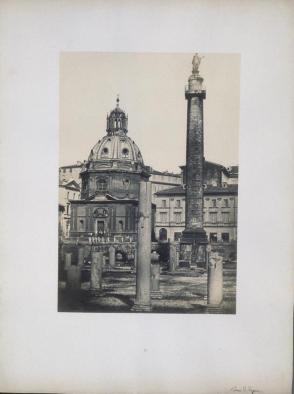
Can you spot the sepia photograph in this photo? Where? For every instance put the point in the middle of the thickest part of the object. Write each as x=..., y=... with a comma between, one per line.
x=146, y=168
x=148, y=182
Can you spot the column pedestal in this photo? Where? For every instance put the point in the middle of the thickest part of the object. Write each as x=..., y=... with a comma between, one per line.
x=193, y=248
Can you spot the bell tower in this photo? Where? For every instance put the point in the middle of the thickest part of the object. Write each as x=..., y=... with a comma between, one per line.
x=194, y=239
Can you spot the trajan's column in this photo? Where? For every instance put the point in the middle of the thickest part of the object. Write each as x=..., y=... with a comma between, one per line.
x=194, y=239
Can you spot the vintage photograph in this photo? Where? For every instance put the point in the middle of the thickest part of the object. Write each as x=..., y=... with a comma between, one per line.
x=148, y=182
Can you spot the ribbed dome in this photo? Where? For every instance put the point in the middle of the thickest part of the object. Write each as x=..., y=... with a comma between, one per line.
x=116, y=147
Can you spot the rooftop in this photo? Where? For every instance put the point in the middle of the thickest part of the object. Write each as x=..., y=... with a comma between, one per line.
x=179, y=190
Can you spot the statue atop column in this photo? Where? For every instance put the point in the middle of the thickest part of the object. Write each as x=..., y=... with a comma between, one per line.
x=196, y=63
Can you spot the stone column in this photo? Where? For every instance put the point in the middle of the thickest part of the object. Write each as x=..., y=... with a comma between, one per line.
x=81, y=255
x=215, y=280
x=96, y=273
x=142, y=301
x=67, y=261
x=87, y=250
x=73, y=281
x=194, y=234
x=172, y=257
x=111, y=252
x=135, y=258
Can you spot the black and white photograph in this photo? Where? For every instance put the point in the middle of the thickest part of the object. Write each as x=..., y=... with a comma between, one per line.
x=148, y=183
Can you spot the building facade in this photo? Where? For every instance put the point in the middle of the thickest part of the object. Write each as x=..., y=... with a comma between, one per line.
x=220, y=206
x=70, y=172
x=168, y=196
x=68, y=191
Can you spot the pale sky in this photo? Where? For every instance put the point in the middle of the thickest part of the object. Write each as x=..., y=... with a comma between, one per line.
x=151, y=90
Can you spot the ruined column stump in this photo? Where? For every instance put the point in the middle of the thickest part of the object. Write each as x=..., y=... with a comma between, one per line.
x=96, y=274
x=215, y=280
x=73, y=281
x=67, y=261
x=81, y=256
x=111, y=252
x=173, y=261
x=155, y=281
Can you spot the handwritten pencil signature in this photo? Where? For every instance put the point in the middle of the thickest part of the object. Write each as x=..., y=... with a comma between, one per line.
x=245, y=389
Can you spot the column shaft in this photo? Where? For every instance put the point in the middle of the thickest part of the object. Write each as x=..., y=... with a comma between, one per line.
x=142, y=302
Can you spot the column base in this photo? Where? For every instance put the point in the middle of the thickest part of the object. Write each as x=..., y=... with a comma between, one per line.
x=191, y=236
x=96, y=292
x=214, y=304
x=214, y=308
x=141, y=308
x=193, y=248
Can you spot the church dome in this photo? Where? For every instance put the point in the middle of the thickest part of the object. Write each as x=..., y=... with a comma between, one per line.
x=115, y=165
x=116, y=147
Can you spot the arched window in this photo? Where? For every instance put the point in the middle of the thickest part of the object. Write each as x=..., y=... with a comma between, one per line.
x=163, y=234
x=101, y=185
x=125, y=152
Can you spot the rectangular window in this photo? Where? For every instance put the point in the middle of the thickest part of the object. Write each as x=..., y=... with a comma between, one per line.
x=213, y=202
x=213, y=237
x=81, y=225
x=100, y=225
x=213, y=217
x=178, y=217
x=177, y=236
x=101, y=185
x=225, y=237
x=226, y=203
x=163, y=203
x=226, y=217
x=163, y=217
x=178, y=203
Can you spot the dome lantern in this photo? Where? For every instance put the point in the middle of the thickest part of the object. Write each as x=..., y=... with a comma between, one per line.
x=117, y=121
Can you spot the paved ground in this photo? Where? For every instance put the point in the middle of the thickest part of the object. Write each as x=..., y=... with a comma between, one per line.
x=182, y=292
